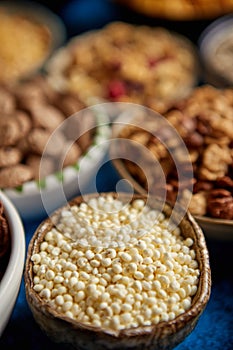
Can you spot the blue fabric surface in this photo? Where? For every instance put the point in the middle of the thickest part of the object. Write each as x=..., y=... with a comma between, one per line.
x=214, y=330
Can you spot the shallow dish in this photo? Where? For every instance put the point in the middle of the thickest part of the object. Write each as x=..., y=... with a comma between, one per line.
x=46, y=27
x=64, y=329
x=215, y=46
x=10, y=282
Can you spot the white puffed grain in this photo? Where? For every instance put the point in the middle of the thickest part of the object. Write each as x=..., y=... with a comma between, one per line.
x=106, y=264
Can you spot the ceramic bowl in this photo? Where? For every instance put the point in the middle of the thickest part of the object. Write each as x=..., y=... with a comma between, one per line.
x=10, y=282
x=215, y=47
x=218, y=229
x=164, y=335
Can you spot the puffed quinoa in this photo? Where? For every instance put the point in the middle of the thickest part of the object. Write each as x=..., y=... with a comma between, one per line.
x=118, y=292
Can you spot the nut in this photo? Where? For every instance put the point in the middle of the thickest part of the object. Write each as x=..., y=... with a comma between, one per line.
x=15, y=175
x=204, y=121
x=31, y=112
x=220, y=204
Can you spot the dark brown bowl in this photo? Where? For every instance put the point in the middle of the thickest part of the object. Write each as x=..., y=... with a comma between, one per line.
x=164, y=335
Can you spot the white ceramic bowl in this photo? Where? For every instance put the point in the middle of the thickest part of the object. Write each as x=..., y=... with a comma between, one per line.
x=10, y=282
x=215, y=46
x=35, y=202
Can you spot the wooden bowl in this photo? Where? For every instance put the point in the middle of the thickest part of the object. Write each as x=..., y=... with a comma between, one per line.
x=164, y=335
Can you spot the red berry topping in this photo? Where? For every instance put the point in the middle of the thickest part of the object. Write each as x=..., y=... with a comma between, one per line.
x=116, y=88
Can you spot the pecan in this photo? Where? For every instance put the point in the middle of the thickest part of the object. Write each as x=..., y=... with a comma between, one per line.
x=225, y=182
x=219, y=193
x=202, y=185
x=220, y=204
x=194, y=140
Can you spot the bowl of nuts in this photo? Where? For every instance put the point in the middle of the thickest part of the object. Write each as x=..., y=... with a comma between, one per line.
x=12, y=255
x=187, y=151
x=51, y=145
x=124, y=63
x=116, y=270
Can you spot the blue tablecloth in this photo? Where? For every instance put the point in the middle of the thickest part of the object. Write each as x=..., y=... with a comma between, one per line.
x=215, y=328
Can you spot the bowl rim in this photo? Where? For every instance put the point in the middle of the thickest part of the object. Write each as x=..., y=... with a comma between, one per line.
x=215, y=221
x=199, y=302
x=213, y=28
x=18, y=246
